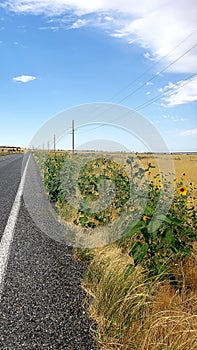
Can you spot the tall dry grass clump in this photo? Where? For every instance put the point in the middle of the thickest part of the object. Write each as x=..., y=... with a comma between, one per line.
x=134, y=312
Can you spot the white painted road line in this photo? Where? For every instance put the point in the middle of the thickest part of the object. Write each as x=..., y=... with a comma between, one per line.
x=8, y=234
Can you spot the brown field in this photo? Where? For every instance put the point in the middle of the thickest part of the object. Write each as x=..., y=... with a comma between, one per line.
x=183, y=163
x=183, y=166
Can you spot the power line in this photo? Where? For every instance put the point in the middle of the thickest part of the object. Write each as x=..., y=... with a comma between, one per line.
x=152, y=66
x=149, y=80
x=152, y=100
x=147, y=103
x=155, y=75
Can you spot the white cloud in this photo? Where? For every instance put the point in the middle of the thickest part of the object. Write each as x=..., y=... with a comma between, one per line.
x=173, y=118
x=24, y=78
x=108, y=18
x=149, y=56
x=184, y=91
x=79, y=23
x=189, y=132
x=159, y=26
x=149, y=83
x=118, y=34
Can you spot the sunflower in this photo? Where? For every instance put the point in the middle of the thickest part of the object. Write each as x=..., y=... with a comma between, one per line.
x=131, y=209
x=145, y=217
x=174, y=207
x=182, y=190
x=158, y=186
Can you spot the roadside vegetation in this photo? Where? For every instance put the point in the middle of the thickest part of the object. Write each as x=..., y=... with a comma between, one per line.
x=8, y=153
x=142, y=289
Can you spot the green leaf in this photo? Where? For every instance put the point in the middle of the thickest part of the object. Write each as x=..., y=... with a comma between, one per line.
x=83, y=220
x=129, y=270
x=154, y=225
x=138, y=252
x=163, y=217
x=169, y=237
x=158, y=268
x=149, y=210
x=175, y=221
x=158, y=219
x=146, y=234
x=134, y=227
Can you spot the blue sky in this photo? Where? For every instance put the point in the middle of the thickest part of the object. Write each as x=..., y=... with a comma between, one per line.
x=59, y=54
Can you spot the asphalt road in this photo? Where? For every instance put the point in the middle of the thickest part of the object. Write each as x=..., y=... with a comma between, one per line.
x=10, y=175
x=42, y=304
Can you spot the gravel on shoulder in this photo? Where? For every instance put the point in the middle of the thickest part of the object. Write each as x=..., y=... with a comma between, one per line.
x=43, y=305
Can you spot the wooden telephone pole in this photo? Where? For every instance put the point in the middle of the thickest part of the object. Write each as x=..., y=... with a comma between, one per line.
x=73, y=137
x=54, y=145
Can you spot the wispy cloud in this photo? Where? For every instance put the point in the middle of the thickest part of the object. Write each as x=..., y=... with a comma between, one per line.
x=189, y=132
x=173, y=118
x=24, y=78
x=184, y=91
x=158, y=26
x=149, y=83
x=79, y=23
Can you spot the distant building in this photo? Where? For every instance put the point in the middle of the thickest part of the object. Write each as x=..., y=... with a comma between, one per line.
x=10, y=149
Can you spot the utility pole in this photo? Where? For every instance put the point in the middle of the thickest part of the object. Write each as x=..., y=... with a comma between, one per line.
x=54, y=145
x=73, y=137
x=48, y=146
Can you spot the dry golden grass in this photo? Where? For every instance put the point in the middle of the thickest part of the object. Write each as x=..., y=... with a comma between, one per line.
x=67, y=212
x=138, y=314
